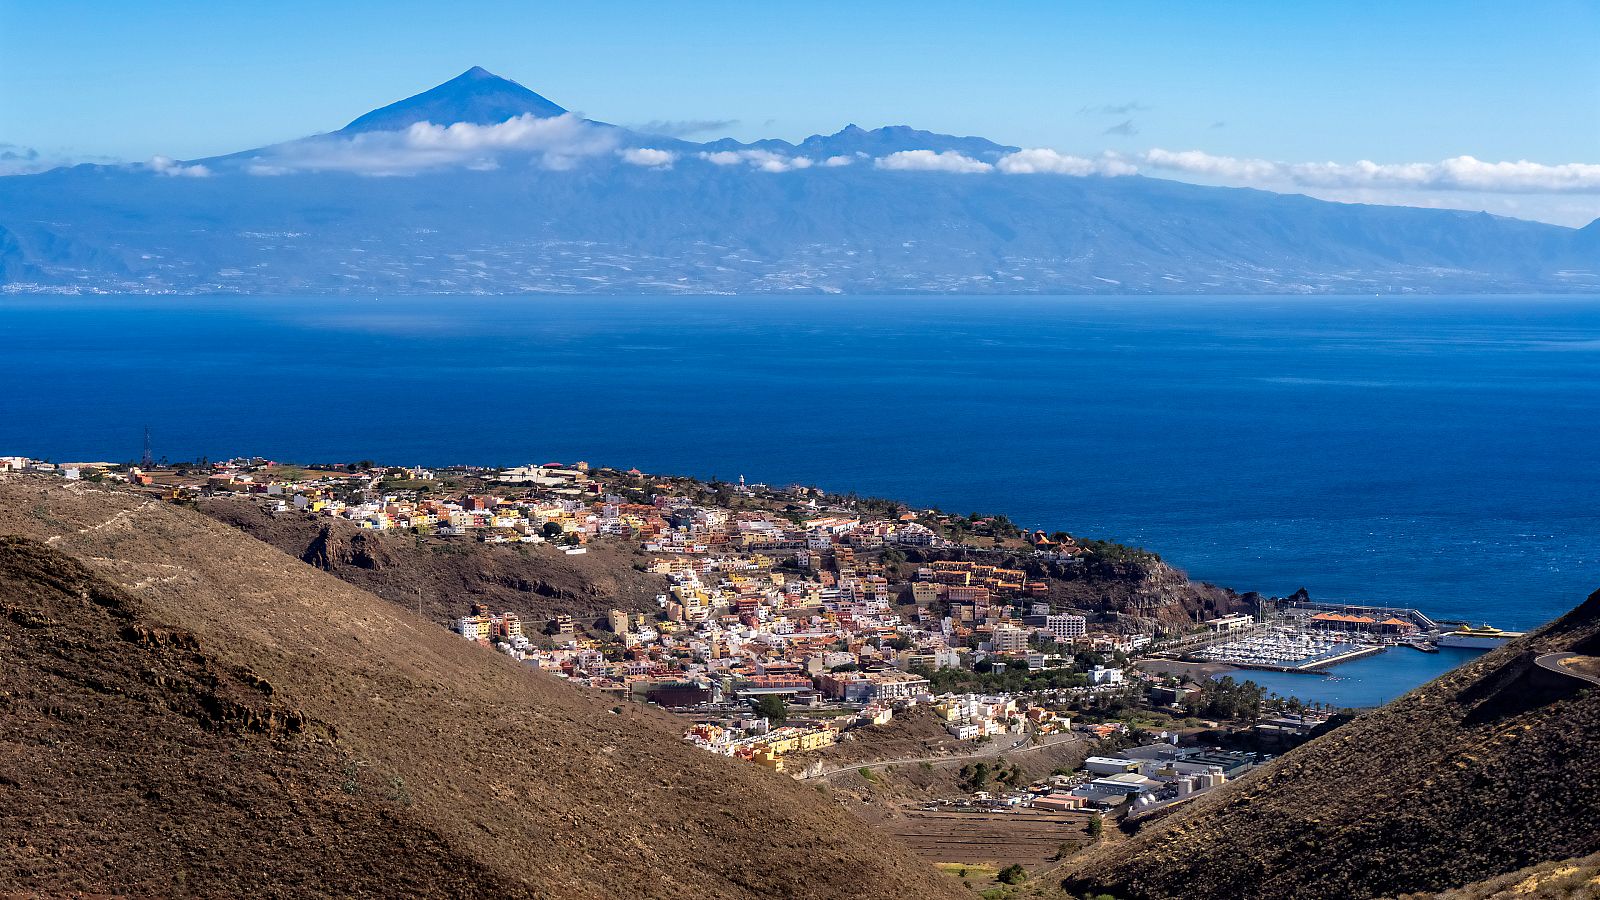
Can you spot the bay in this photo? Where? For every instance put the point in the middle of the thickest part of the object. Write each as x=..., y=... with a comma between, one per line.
x=1433, y=452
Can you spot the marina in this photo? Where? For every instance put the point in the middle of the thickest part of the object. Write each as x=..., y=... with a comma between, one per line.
x=1286, y=648
x=1371, y=680
x=1345, y=655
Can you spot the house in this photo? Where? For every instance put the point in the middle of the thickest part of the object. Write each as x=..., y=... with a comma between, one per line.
x=1103, y=675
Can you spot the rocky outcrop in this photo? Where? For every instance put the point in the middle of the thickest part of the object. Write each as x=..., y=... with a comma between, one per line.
x=328, y=551
x=1129, y=588
x=448, y=576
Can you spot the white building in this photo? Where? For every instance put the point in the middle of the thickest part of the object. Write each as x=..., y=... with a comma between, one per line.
x=1103, y=675
x=1010, y=639
x=1065, y=627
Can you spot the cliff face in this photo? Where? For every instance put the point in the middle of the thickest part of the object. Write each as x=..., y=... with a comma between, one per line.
x=1135, y=589
x=1476, y=774
x=1143, y=592
x=535, y=582
x=193, y=711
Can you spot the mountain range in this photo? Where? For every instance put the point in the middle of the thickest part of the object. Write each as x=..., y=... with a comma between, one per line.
x=480, y=185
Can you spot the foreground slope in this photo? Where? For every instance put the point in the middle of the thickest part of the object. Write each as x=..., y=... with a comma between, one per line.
x=465, y=760
x=1567, y=879
x=1474, y=775
x=136, y=761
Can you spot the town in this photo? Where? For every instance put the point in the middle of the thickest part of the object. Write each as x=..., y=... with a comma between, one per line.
x=794, y=626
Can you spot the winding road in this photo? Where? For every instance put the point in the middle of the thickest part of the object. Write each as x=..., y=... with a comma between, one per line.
x=1553, y=662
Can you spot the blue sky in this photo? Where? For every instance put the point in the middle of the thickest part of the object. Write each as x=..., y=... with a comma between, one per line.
x=1300, y=82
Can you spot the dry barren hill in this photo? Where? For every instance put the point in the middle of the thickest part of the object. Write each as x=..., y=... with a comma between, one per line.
x=1477, y=774
x=187, y=710
x=533, y=582
x=1566, y=879
x=135, y=760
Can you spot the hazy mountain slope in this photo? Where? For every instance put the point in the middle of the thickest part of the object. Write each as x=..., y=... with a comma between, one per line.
x=552, y=203
x=136, y=762
x=536, y=782
x=1476, y=774
x=700, y=227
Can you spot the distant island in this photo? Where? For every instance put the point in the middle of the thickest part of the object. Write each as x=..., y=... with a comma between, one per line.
x=482, y=186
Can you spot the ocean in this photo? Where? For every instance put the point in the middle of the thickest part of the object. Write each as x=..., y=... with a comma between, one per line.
x=1442, y=453
x=1368, y=681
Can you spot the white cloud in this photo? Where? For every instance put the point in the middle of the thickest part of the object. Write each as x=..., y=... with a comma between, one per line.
x=166, y=165
x=833, y=162
x=1460, y=173
x=762, y=160
x=929, y=161
x=556, y=142
x=1039, y=161
x=648, y=157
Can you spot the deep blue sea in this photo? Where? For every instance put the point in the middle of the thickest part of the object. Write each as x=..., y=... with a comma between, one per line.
x=1442, y=453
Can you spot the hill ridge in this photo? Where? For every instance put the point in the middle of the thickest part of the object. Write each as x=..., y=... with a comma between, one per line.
x=1474, y=775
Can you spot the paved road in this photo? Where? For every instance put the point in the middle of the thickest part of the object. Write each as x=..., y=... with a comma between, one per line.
x=1552, y=662
x=1013, y=747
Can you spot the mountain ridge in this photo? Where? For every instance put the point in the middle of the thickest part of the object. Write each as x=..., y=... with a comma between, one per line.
x=518, y=195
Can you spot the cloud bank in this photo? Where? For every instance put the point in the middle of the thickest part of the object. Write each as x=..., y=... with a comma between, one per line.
x=563, y=142
x=166, y=165
x=760, y=160
x=929, y=161
x=649, y=157
x=1043, y=161
x=557, y=142
x=1459, y=173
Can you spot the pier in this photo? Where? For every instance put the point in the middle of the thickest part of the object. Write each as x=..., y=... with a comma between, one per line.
x=1315, y=664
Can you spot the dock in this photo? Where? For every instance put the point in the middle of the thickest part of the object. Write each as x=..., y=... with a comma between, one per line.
x=1314, y=664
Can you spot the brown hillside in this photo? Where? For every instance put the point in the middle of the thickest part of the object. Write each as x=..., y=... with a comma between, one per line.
x=135, y=761
x=535, y=582
x=1474, y=775
x=1566, y=879
x=535, y=786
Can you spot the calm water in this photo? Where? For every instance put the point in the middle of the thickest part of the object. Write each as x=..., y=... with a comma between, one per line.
x=1368, y=681
x=1442, y=453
